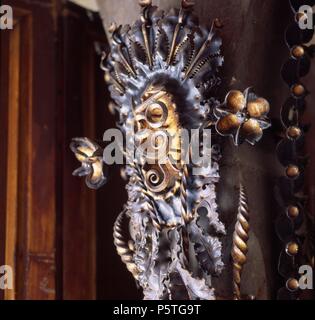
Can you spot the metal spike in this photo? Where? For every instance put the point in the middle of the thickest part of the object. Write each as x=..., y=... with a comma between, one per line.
x=200, y=52
x=145, y=35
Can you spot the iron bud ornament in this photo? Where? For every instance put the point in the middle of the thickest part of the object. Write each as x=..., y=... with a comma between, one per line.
x=162, y=72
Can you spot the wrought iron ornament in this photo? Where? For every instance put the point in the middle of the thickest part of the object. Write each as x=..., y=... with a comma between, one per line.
x=289, y=191
x=240, y=238
x=162, y=72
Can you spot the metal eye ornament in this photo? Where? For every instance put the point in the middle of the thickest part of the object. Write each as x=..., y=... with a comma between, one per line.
x=87, y=152
x=243, y=116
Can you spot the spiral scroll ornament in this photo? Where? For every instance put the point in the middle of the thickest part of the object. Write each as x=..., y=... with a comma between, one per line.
x=183, y=193
x=240, y=238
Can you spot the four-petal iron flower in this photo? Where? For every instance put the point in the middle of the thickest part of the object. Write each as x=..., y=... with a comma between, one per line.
x=243, y=116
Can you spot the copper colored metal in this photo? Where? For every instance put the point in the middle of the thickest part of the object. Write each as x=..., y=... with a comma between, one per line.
x=298, y=90
x=290, y=192
x=292, y=284
x=292, y=248
x=228, y=123
x=297, y=51
x=235, y=101
x=251, y=127
x=243, y=116
x=293, y=212
x=292, y=171
x=258, y=107
x=144, y=3
x=293, y=132
x=240, y=238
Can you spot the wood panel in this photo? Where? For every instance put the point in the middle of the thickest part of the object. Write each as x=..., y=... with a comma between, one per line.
x=12, y=148
x=51, y=90
x=27, y=100
x=17, y=83
x=78, y=117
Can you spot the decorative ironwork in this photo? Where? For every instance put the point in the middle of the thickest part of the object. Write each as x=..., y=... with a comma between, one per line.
x=242, y=116
x=162, y=72
x=91, y=156
x=240, y=238
x=124, y=249
x=289, y=191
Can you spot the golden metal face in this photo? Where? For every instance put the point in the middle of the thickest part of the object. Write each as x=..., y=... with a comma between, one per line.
x=158, y=138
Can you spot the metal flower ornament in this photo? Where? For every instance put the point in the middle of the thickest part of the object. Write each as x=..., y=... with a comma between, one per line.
x=91, y=157
x=243, y=116
x=162, y=73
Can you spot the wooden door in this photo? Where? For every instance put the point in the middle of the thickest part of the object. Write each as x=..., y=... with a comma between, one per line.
x=51, y=89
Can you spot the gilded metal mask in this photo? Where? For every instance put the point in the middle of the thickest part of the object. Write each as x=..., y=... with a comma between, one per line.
x=162, y=74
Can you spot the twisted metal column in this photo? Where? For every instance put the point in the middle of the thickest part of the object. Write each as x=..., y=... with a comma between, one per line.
x=240, y=238
x=122, y=247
